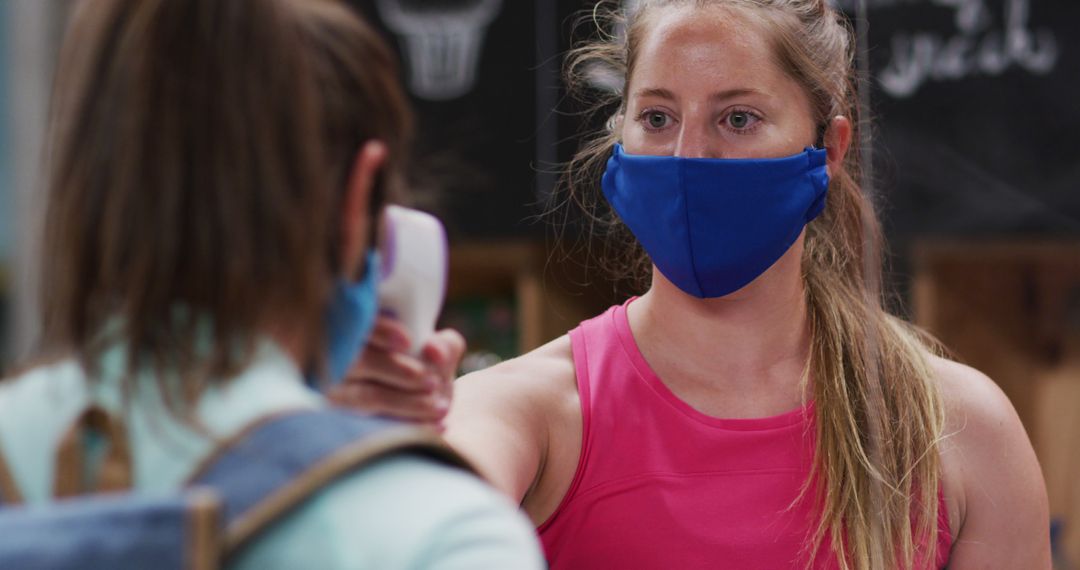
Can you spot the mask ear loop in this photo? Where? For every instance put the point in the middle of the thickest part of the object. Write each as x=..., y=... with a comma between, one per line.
x=819, y=144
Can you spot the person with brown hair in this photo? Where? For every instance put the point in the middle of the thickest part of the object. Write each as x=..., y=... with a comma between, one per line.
x=756, y=406
x=216, y=169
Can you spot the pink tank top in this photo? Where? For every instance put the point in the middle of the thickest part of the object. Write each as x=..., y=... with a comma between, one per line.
x=660, y=485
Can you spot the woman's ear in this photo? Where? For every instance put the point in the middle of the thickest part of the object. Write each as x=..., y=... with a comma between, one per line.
x=356, y=214
x=615, y=123
x=837, y=141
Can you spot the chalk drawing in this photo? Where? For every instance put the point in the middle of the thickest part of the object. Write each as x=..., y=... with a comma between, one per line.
x=442, y=43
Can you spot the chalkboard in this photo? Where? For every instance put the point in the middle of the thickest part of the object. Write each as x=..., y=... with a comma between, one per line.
x=482, y=75
x=976, y=105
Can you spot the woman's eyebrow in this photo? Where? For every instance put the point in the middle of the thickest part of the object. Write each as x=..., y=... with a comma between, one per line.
x=664, y=93
x=732, y=93
x=659, y=92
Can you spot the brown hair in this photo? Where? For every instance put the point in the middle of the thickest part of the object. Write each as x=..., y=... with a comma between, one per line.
x=878, y=413
x=199, y=150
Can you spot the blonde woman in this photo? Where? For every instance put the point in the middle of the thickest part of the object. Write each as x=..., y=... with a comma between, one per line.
x=756, y=407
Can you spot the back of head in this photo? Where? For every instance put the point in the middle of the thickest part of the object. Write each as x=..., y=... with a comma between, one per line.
x=199, y=153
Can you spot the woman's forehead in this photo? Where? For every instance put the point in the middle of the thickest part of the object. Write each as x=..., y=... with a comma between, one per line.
x=705, y=49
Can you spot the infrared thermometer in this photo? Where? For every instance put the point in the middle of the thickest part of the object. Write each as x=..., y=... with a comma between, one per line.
x=415, y=257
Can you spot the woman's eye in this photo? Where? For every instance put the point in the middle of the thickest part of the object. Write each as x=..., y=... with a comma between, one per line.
x=656, y=120
x=740, y=120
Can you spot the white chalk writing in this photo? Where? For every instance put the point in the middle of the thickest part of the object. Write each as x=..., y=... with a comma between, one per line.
x=978, y=49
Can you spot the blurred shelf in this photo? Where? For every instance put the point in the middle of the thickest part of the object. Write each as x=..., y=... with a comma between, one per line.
x=545, y=297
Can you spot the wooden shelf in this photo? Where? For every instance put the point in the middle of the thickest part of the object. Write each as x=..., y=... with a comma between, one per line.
x=548, y=301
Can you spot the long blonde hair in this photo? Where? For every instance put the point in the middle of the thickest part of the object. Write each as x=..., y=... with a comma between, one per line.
x=878, y=413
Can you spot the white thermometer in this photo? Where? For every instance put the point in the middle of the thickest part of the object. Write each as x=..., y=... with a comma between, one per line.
x=414, y=254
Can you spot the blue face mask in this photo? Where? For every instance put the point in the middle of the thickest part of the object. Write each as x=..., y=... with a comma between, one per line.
x=712, y=226
x=350, y=317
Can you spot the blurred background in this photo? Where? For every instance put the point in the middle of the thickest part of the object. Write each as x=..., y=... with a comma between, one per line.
x=975, y=107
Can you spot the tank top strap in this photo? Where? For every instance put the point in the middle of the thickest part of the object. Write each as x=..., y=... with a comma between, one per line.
x=601, y=365
x=591, y=343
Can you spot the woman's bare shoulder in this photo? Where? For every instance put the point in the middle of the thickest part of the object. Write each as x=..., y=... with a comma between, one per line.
x=503, y=418
x=981, y=425
x=990, y=469
x=975, y=404
x=542, y=376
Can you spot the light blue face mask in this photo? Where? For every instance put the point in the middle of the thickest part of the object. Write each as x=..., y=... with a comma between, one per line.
x=350, y=317
x=712, y=226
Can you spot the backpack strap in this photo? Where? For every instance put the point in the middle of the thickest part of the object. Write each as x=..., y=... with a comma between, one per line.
x=277, y=463
x=113, y=473
x=9, y=491
x=76, y=474
x=72, y=476
x=114, y=531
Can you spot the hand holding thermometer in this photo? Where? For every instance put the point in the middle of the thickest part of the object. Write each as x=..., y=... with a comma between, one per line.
x=414, y=253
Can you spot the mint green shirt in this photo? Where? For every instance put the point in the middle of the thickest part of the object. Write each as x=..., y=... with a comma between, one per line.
x=402, y=512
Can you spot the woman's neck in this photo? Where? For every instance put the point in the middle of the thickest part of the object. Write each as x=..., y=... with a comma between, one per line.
x=742, y=355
